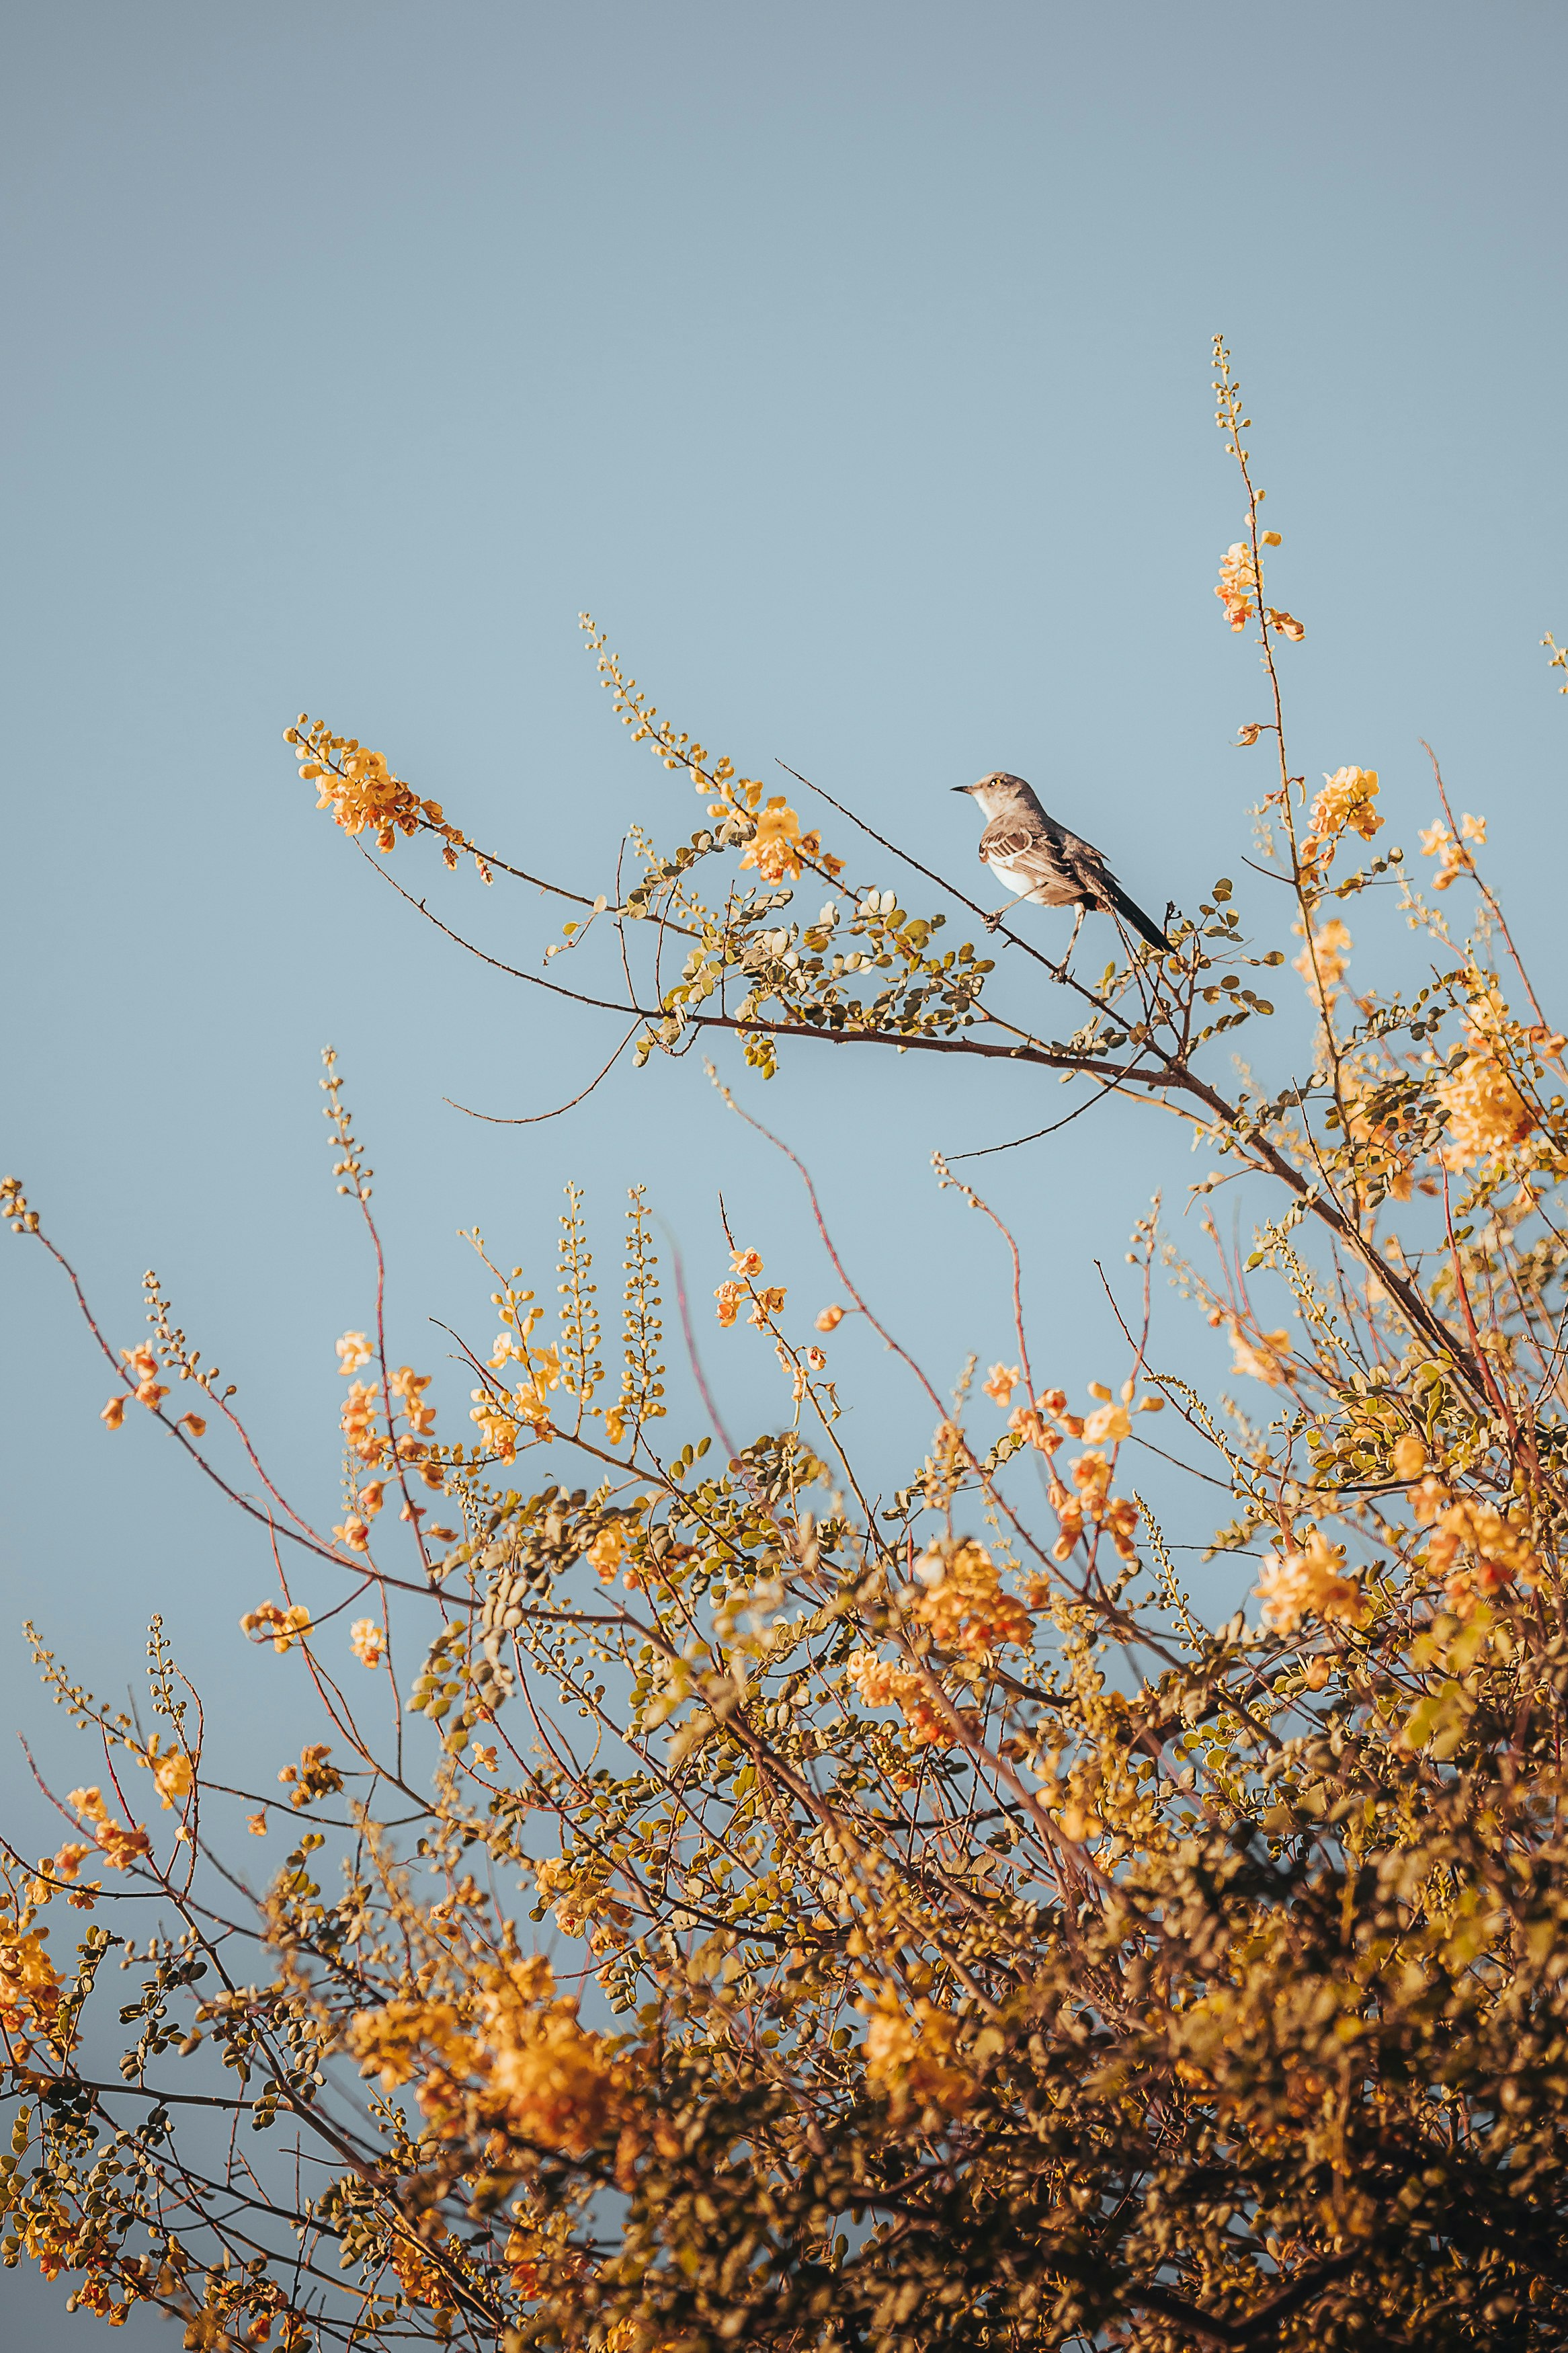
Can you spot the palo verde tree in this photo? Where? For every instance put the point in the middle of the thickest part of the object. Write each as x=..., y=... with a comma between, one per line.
x=972, y=1949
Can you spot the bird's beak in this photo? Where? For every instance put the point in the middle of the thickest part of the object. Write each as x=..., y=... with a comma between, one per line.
x=962, y=788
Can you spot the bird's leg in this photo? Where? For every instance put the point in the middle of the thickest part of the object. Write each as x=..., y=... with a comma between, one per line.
x=992, y=921
x=1078, y=926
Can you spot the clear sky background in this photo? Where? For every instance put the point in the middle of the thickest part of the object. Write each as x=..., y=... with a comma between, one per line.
x=850, y=363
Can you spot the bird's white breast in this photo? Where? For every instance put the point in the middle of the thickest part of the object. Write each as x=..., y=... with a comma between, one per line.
x=1025, y=880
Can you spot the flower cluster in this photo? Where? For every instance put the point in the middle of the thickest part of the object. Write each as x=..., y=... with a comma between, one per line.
x=879, y=1683
x=583, y=1904
x=512, y=2058
x=361, y=1408
x=964, y=1604
x=1488, y=1116
x=1345, y=804
x=501, y=1420
x=1261, y=1356
x=1309, y=1582
x=120, y=1847
x=1238, y=589
x=1449, y=848
x=1032, y=1424
x=778, y=846
x=359, y=787
x=272, y=1623
x=142, y=1368
x=65, y=1866
x=172, y=1773
x=607, y=1551
x=914, y=2059
x=1321, y=964
x=1118, y=1515
x=1499, y=1547
x=368, y=1642
x=766, y=1303
x=1346, y=799
x=312, y=1777
x=30, y=1989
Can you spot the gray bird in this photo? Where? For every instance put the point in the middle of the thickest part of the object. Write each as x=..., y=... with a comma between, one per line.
x=1040, y=861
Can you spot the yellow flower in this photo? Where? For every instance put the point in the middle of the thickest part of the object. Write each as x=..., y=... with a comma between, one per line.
x=728, y=1295
x=361, y=790
x=1262, y=1363
x=122, y=1846
x=354, y=1350
x=1346, y=800
x=1295, y=1584
x=313, y=1777
x=171, y=1775
x=1108, y=1425
x=1000, y=1383
x=912, y=2058
x=746, y=1262
x=1322, y=965
x=368, y=1642
x=1237, y=583
x=30, y=1989
x=964, y=1604
x=497, y=1427
x=358, y=1421
x=114, y=1413
x=285, y=1626
x=778, y=845
x=879, y=1683
x=194, y=1423
x=353, y=1532
x=767, y=1303
x=256, y=1825
x=528, y=1398
x=875, y=1680
x=1449, y=848
x=1501, y=1547
x=1488, y=1116
x=1409, y=1457
x=607, y=1551
x=830, y=1318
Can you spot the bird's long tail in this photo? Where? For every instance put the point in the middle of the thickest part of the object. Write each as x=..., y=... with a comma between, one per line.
x=1144, y=925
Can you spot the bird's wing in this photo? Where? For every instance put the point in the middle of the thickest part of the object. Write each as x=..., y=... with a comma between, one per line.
x=1084, y=857
x=1100, y=884
x=1004, y=838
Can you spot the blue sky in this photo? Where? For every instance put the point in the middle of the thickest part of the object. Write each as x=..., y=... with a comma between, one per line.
x=850, y=364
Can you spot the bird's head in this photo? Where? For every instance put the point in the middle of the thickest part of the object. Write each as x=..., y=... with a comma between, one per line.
x=996, y=794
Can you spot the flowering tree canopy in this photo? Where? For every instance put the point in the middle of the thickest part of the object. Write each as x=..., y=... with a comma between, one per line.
x=954, y=1943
